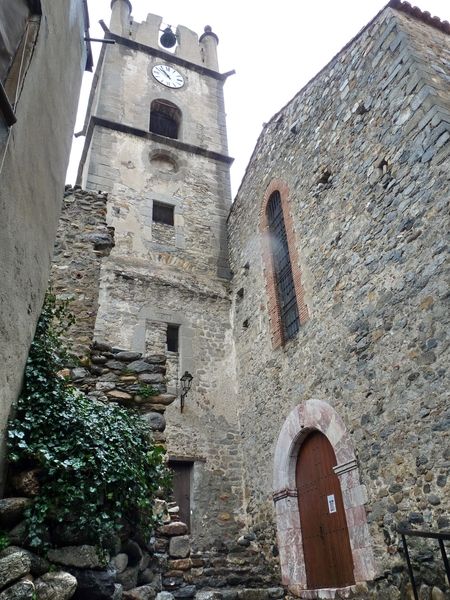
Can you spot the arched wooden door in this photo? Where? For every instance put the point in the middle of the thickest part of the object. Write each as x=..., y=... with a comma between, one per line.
x=326, y=545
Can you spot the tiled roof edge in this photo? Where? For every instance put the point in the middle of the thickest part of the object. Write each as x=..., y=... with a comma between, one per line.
x=421, y=15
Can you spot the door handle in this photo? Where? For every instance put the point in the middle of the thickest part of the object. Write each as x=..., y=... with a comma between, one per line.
x=321, y=531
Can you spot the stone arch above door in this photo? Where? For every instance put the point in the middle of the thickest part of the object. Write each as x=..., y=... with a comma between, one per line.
x=304, y=418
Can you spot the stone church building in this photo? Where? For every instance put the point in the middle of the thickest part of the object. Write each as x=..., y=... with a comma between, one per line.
x=310, y=312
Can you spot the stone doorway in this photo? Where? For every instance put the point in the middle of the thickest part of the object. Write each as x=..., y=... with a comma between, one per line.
x=326, y=545
x=317, y=415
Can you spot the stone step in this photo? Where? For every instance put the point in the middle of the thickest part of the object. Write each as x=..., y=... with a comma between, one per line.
x=241, y=593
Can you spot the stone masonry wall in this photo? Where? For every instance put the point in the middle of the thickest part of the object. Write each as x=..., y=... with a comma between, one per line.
x=363, y=151
x=83, y=238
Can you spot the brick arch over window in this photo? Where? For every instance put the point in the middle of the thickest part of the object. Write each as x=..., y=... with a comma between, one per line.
x=317, y=415
x=275, y=316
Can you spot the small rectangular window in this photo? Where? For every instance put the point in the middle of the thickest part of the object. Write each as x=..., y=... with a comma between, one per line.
x=172, y=338
x=163, y=213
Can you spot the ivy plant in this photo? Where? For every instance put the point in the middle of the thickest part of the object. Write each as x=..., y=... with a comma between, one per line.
x=98, y=468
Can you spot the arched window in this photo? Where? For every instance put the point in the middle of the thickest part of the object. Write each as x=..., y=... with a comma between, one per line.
x=282, y=269
x=165, y=118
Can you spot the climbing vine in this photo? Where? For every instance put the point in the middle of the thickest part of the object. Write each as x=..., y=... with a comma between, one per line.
x=98, y=468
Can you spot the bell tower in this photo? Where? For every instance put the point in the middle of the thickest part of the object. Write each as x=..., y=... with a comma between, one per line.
x=156, y=142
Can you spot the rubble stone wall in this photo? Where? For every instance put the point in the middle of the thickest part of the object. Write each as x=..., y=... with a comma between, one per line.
x=82, y=239
x=363, y=152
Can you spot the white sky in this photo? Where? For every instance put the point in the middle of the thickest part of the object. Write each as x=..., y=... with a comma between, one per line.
x=275, y=48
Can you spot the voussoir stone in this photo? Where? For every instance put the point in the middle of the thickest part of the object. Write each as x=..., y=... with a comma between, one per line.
x=82, y=557
x=179, y=547
x=11, y=511
x=13, y=567
x=173, y=528
x=22, y=590
x=57, y=585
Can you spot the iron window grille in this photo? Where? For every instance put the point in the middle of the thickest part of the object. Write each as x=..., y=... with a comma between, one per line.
x=284, y=281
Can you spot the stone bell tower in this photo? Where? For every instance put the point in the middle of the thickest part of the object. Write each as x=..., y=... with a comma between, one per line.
x=156, y=142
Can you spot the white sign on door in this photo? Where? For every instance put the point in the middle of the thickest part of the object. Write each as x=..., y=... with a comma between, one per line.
x=331, y=503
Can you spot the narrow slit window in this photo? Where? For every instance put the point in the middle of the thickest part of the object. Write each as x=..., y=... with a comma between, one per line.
x=284, y=281
x=163, y=213
x=172, y=338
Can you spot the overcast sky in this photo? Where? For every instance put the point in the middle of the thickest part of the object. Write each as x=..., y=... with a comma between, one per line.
x=275, y=48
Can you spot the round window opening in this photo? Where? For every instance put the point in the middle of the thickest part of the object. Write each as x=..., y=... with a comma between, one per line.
x=163, y=162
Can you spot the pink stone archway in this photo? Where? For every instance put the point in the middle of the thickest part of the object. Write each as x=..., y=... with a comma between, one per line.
x=317, y=415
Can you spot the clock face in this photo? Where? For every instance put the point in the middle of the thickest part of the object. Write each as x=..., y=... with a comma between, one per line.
x=168, y=76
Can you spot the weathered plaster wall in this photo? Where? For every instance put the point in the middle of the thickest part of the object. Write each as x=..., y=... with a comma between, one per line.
x=371, y=252
x=32, y=183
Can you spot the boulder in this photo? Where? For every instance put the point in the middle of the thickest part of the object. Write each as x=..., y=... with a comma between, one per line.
x=133, y=551
x=164, y=596
x=173, y=528
x=144, y=592
x=115, y=365
x=146, y=576
x=94, y=585
x=57, y=585
x=162, y=399
x=102, y=347
x=180, y=564
x=22, y=590
x=79, y=373
x=120, y=562
x=140, y=366
x=82, y=557
x=118, y=592
x=158, y=359
x=13, y=567
x=155, y=421
x=129, y=577
x=151, y=378
x=187, y=591
x=18, y=534
x=11, y=511
x=179, y=547
x=39, y=565
x=128, y=356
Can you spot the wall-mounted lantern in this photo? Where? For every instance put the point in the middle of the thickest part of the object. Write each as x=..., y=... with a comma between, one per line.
x=186, y=381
